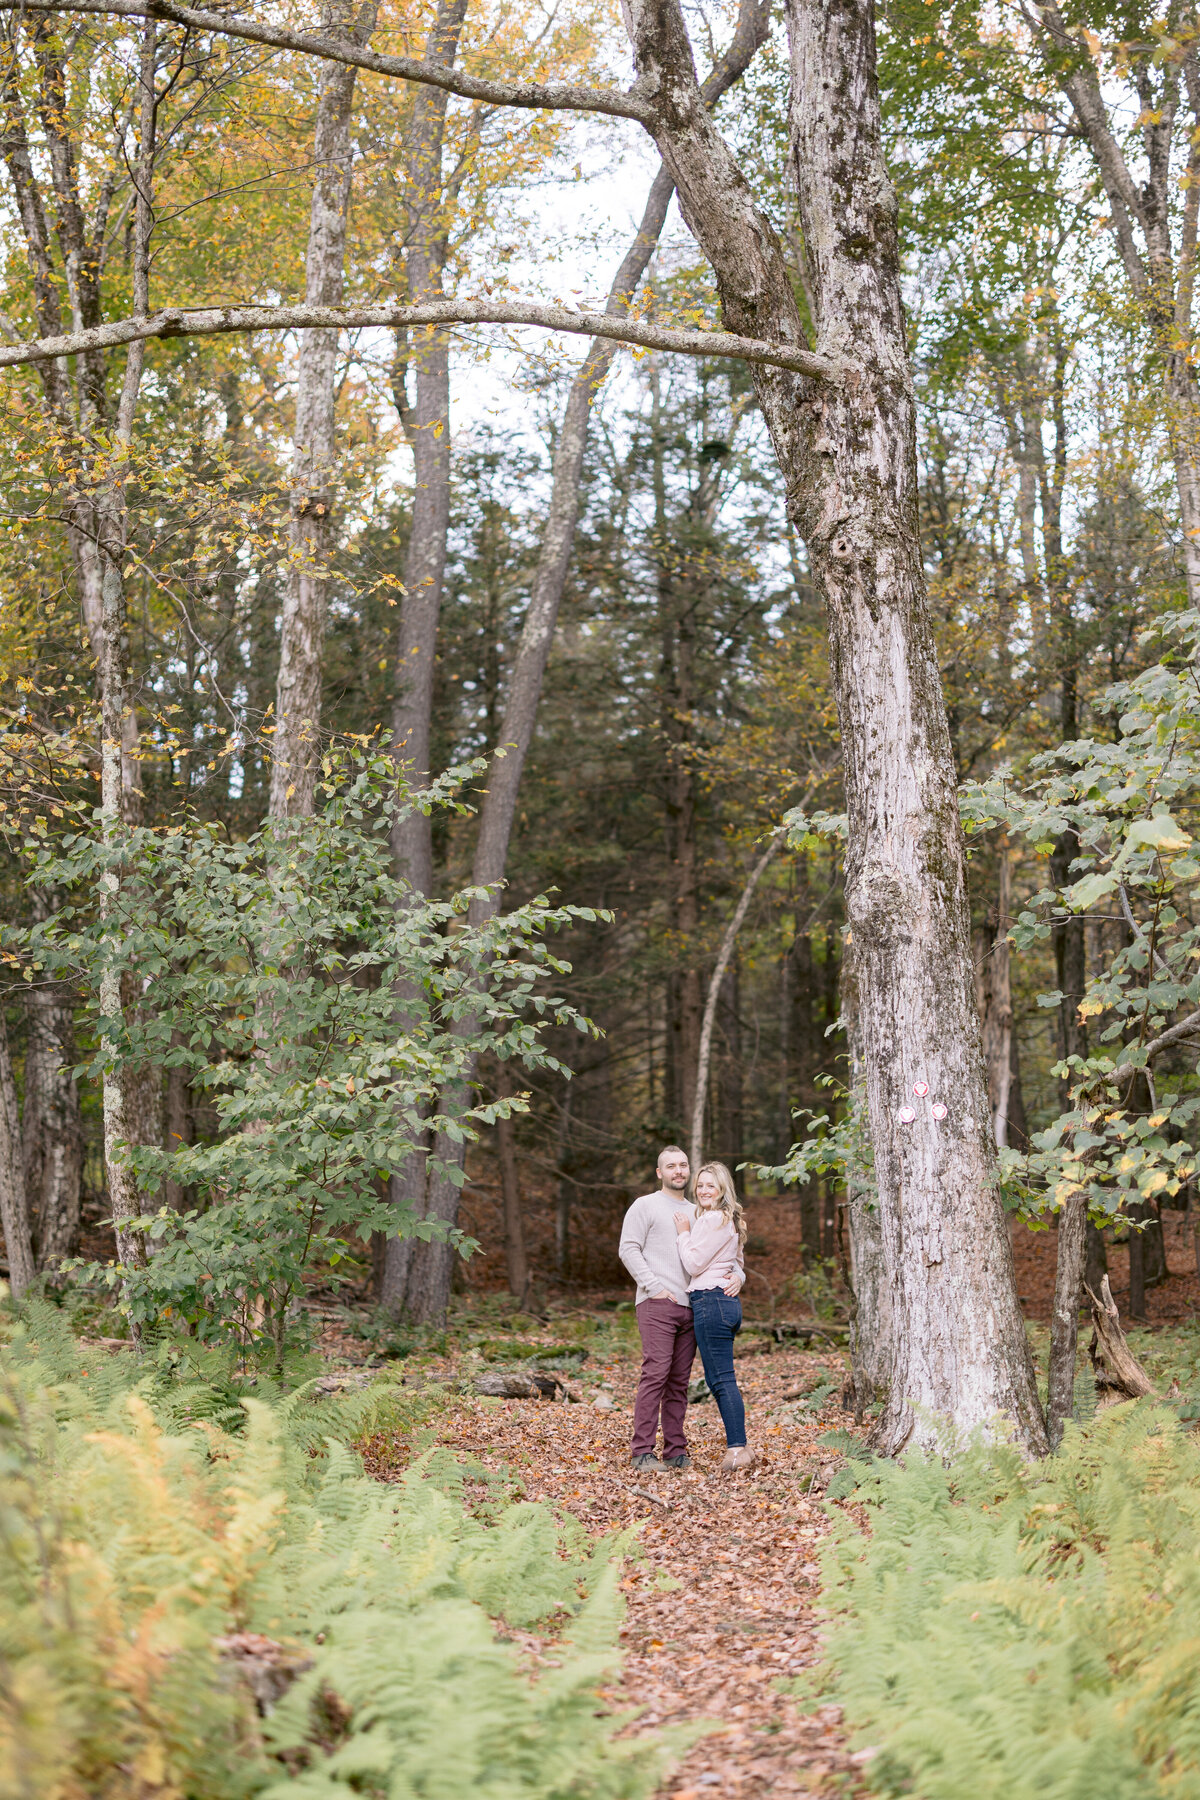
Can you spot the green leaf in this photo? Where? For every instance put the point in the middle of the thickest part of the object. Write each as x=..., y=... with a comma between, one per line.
x=1159, y=832
x=1087, y=892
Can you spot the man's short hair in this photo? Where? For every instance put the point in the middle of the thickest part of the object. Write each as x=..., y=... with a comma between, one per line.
x=669, y=1150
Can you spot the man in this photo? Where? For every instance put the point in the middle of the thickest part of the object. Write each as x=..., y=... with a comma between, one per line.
x=649, y=1249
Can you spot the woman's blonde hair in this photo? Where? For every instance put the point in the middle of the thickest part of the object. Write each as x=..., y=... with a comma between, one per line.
x=729, y=1203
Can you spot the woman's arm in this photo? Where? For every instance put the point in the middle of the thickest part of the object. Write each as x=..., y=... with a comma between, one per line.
x=700, y=1247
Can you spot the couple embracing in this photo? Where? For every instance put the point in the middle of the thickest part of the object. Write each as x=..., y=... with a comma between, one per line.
x=686, y=1257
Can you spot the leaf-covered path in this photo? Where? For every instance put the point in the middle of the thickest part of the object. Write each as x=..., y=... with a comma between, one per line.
x=721, y=1589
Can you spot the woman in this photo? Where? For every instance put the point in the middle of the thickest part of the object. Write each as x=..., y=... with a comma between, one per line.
x=710, y=1250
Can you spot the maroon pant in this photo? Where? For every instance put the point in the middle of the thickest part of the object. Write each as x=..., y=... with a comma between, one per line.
x=668, y=1346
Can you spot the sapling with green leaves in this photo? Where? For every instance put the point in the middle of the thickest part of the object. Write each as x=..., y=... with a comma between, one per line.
x=1130, y=1136
x=318, y=1001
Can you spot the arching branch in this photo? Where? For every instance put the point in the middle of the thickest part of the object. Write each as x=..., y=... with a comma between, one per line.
x=218, y=321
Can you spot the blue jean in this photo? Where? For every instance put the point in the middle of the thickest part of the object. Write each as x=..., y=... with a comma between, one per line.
x=717, y=1320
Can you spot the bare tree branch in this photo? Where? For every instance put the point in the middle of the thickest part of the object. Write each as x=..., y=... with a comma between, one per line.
x=549, y=96
x=215, y=321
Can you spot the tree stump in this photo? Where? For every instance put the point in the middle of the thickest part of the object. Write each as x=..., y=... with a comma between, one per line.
x=1118, y=1373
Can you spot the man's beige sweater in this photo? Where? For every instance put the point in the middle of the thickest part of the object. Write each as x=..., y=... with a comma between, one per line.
x=649, y=1245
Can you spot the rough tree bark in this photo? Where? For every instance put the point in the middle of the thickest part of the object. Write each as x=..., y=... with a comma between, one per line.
x=870, y=1326
x=848, y=457
x=296, y=748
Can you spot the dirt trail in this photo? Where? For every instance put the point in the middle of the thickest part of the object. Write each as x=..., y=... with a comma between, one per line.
x=722, y=1606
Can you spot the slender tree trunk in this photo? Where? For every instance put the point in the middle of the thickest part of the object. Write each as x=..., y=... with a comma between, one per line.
x=515, y=1260
x=94, y=504
x=848, y=458
x=1064, y=1324
x=296, y=750
x=714, y=993
x=1142, y=214
x=677, y=636
x=426, y=421
x=409, y=1282
x=419, y=1275
x=729, y=1108
x=120, y=1076
x=51, y=1126
x=14, y=1202
x=537, y=633
x=995, y=1003
x=1137, y=1274
x=1095, y=1257
x=178, y=1130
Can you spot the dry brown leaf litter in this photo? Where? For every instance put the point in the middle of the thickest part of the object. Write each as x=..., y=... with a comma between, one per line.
x=721, y=1597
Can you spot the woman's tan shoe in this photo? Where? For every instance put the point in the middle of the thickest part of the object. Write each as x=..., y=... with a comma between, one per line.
x=740, y=1458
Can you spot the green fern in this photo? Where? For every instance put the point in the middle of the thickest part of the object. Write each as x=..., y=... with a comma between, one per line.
x=137, y=1532
x=1027, y=1632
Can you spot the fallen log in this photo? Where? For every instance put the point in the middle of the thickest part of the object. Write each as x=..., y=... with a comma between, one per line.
x=837, y=1332
x=514, y=1384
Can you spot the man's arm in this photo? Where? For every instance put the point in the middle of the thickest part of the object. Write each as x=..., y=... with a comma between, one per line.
x=630, y=1250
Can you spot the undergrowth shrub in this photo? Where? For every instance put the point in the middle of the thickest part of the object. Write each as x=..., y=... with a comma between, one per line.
x=141, y=1538
x=1027, y=1631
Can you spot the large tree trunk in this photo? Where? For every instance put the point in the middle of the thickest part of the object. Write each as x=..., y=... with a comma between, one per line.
x=848, y=457
x=296, y=748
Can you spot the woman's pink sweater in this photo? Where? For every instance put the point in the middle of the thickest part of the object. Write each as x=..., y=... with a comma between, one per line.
x=710, y=1252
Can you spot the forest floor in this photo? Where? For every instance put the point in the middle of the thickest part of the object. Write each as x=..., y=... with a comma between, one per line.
x=721, y=1584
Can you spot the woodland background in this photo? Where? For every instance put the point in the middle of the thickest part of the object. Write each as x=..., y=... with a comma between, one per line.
x=267, y=1000
x=685, y=709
